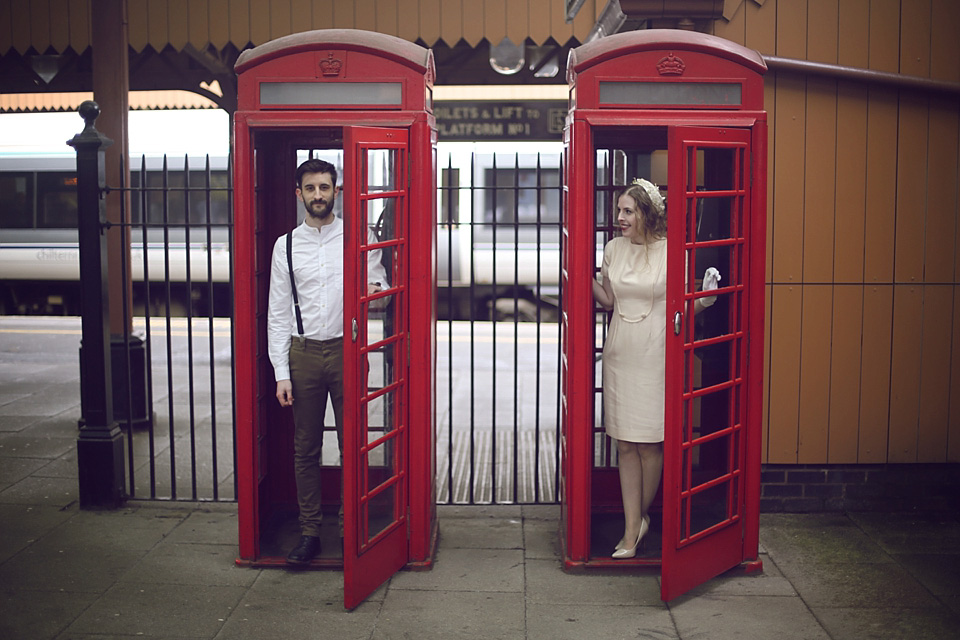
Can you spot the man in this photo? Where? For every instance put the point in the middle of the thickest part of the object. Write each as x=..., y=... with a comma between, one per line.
x=307, y=351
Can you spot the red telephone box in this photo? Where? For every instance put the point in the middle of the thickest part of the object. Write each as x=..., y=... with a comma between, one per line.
x=362, y=101
x=685, y=111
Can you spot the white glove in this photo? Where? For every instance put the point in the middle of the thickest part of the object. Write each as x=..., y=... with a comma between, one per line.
x=710, y=280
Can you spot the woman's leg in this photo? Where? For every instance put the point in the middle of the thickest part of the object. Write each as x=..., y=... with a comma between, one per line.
x=641, y=465
x=651, y=460
x=631, y=489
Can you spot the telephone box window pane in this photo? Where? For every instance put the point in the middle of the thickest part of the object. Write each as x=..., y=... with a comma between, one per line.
x=671, y=93
x=331, y=93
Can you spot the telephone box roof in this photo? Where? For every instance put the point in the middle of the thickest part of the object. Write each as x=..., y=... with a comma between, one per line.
x=592, y=53
x=403, y=51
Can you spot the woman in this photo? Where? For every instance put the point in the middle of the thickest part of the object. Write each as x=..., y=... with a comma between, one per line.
x=635, y=286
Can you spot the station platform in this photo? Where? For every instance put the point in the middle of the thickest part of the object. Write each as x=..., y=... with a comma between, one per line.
x=162, y=569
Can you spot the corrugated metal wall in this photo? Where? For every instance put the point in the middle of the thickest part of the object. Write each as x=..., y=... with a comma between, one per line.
x=863, y=331
x=65, y=23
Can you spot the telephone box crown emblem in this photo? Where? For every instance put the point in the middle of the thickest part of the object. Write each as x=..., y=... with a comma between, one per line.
x=331, y=66
x=670, y=65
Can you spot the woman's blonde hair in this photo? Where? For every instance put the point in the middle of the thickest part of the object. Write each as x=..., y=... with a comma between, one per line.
x=651, y=207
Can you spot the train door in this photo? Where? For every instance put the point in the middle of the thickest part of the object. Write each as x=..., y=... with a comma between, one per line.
x=375, y=363
x=706, y=358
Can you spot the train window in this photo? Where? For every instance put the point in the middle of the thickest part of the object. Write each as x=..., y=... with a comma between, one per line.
x=171, y=208
x=512, y=195
x=57, y=201
x=16, y=200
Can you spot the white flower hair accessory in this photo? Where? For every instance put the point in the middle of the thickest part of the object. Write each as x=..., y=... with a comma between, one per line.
x=653, y=191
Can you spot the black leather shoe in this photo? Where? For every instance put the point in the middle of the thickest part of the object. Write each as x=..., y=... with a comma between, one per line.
x=305, y=551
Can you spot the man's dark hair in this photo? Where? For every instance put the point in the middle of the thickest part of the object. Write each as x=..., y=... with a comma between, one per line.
x=316, y=165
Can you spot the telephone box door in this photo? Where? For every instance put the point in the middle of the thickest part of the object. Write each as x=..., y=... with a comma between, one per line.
x=376, y=208
x=708, y=204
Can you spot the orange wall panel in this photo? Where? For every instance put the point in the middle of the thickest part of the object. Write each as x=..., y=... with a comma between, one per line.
x=881, y=186
x=733, y=29
x=819, y=180
x=884, y=33
x=943, y=210
x=785, y=343
x=814, y=409
x=915, y=38
x=944, y=43
x=321, y=14
x=388, y=14
x=933, y=427
x=365, y=15
x=822, y=37
x=261, y=28
x=786, y=215
x=875, y=374
x=905, y=372
x=761, y=26
x=281, y=20
x=854, y=23
x=344, y=14
x=911, y=191
x=845, y=353
x=851, y=188
x=792, y=29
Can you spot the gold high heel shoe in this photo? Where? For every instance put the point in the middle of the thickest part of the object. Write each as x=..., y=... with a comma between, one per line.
x=622, y=553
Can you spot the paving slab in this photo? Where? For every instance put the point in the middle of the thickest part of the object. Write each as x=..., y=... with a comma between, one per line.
x=160, y=611
x=739, y=617
x=451, y=615
x=889, y=623
x=40, y=615
x=566, y=622
x=547, y=583
x=495, y=533
x=190, y=564
x=500, y=570
x=857, y=585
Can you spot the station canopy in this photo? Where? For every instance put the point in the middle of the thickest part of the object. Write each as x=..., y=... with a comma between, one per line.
x=192, y=45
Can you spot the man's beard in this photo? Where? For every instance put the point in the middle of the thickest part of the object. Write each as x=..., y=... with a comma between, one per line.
x=317, y=210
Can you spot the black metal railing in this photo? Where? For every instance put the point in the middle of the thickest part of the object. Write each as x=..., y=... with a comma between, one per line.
x=498, y=335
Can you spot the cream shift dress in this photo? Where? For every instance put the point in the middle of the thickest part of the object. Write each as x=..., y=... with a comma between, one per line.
x=633, y=355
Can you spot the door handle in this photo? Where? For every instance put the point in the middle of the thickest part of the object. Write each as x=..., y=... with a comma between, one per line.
x=354, y=329
x=677, y=323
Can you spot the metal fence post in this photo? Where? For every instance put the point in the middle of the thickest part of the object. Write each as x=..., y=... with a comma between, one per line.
x=100, y=443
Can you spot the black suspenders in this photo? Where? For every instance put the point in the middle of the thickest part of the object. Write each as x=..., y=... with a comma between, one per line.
x=293, y=285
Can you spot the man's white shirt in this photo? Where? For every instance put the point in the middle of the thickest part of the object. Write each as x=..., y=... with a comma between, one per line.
x=318, y=270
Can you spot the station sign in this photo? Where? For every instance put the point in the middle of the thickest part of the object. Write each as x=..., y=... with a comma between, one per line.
x=475, y=120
